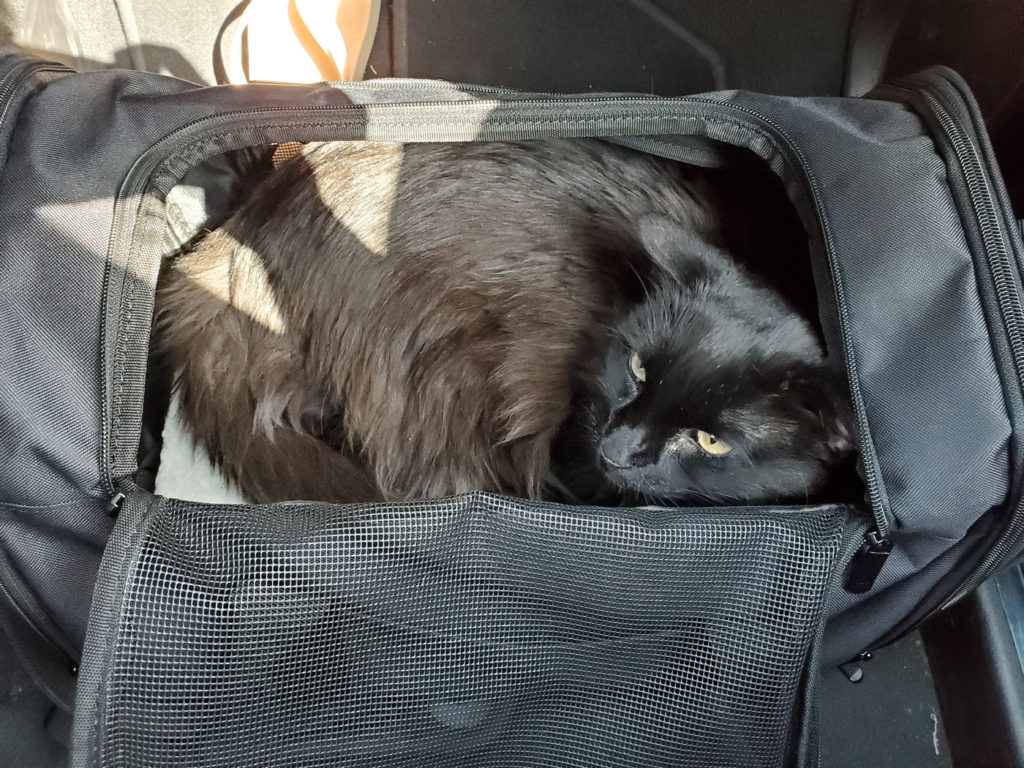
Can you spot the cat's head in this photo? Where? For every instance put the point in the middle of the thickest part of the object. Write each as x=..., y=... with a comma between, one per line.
x=712, y=390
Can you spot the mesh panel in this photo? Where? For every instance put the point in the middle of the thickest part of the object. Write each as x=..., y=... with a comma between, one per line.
x=476, y=631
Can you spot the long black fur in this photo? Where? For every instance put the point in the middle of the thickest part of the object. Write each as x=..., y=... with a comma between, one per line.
x=387, y=321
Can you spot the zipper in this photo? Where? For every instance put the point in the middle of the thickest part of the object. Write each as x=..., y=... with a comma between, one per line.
x=1001, y=268
x=114, y=504
x=408, y=83
x=18, y=74
x=1009, y=299
x=866, y=563
x=9, y=85
x=445, y=87
x=31, y=615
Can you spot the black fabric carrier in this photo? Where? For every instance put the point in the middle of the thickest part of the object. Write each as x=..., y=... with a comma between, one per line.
x=482, y=630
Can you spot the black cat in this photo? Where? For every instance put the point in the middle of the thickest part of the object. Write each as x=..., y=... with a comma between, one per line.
x=389, y=321
x=710, y=390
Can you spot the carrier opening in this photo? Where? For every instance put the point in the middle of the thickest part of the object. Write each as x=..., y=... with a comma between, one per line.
x=567, y=320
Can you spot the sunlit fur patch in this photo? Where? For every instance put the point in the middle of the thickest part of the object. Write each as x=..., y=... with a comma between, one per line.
x=240, y=282
x=378, y=186
x=250, y=290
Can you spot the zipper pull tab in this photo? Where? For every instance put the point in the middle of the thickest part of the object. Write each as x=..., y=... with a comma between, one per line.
x=867, y=563
x=114, y=504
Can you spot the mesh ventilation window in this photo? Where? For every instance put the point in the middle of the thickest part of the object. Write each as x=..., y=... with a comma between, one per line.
x=476, y=631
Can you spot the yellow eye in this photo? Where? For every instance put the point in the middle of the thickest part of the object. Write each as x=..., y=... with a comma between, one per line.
x=636, y=367
x=711, y=444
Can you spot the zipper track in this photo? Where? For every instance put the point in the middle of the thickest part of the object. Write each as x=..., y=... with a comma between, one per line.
x=18, y=74
x=139, y=176
x=991, y=233
x=1011, y=308
x=10, y=85
x=516, y=97
x=1007, y=296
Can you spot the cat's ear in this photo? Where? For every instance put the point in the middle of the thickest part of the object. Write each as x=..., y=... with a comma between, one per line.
x=680, y=252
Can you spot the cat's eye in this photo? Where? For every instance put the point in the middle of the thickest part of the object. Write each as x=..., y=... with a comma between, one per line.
x=712, y=445
x=636, y=367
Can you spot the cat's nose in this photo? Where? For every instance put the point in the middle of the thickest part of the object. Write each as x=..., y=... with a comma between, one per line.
x=624, y=448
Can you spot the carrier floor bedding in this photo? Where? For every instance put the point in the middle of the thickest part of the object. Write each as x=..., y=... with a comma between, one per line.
x=185, y=470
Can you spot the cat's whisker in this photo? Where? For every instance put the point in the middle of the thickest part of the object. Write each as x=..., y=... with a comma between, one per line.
x=643, y=284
